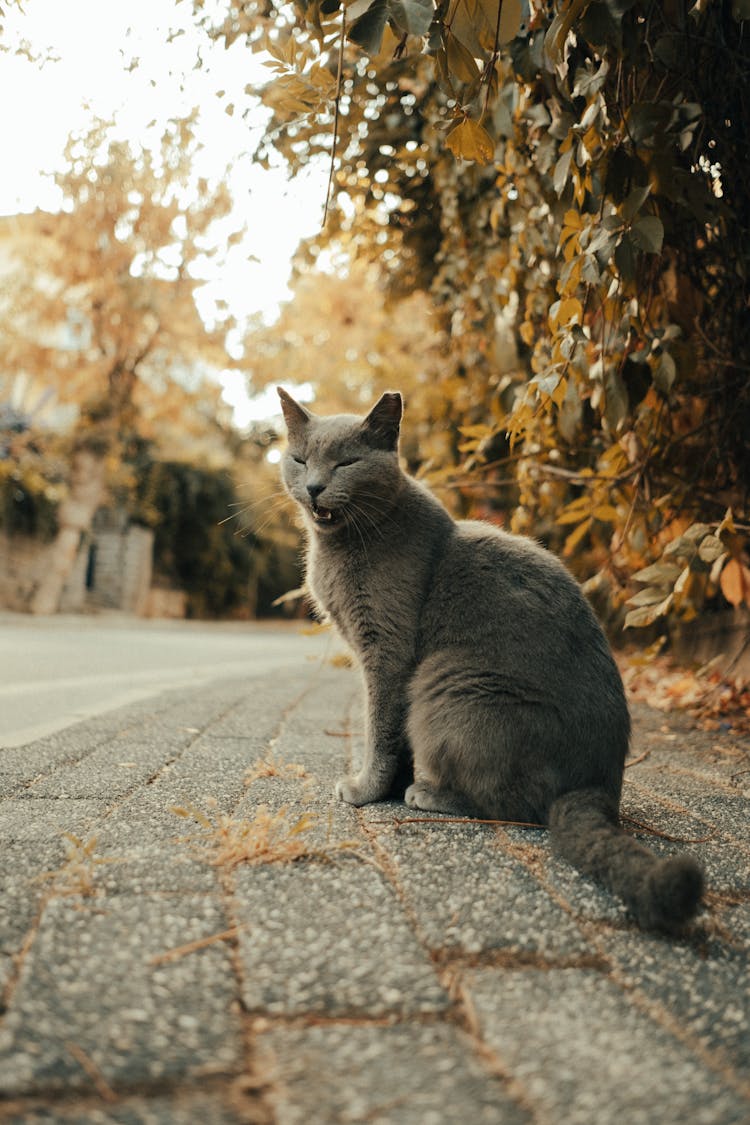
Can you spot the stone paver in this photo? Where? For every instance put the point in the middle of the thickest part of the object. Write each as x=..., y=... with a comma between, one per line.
x=389, y=1075
x=401, y=972
x=585, y=1053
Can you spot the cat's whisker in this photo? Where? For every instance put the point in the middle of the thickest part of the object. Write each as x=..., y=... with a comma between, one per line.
x=277, y=505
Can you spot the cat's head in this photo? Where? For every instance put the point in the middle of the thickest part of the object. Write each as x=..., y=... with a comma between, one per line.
x=342, y=470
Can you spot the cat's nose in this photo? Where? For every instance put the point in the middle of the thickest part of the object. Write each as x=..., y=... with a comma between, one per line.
x=315, y=490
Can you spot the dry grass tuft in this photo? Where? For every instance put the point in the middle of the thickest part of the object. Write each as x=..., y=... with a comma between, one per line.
x=226, y=841
x=270, y=766
x=77, y=875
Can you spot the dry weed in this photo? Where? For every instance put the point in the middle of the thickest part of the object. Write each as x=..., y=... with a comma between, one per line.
x=269, y=837
x=270, y=766
x=77, y=874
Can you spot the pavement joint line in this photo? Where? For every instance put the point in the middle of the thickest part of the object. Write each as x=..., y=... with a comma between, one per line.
x=676, y=807
x=21, y=955
x=449, y=975
x=533, y=859
x=18, y=1106
x=460, y=959
x=655, y=1011
x=613, y=943
x=228, y=894
x=713, y=1059
x=470, y=1026
x=604, y=964
x=64, y=763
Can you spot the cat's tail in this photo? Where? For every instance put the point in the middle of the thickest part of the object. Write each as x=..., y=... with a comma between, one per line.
x=663, y=894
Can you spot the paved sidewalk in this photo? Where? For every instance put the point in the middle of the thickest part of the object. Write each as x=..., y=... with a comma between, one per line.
x=429, y=973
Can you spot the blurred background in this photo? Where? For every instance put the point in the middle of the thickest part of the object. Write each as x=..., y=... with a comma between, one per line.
x=531, y=219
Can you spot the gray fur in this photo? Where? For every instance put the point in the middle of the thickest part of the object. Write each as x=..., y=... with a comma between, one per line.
x=487, y=676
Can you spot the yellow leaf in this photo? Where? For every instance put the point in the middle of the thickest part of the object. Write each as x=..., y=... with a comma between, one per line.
x=470, y=141
x=565, y=312
x=461, y=62
x=735, y=582
x=605, y=512
x=575, y=511
x=510, y=19
x=576, y=536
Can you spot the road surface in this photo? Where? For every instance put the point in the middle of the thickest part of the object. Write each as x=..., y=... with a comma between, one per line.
x=55, y=671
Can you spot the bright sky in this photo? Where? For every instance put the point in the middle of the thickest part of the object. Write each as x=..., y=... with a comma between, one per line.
x=92, y=45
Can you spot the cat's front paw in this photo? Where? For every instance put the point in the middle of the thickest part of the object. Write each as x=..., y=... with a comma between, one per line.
x=358, y=791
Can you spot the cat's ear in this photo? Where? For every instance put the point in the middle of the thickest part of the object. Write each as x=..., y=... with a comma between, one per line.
x=382, y=423
x=295, y=416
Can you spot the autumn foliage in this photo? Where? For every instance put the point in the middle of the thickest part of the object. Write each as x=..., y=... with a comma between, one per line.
x=569, y=177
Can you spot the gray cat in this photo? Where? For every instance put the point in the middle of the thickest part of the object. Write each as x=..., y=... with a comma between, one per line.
x=488, y=679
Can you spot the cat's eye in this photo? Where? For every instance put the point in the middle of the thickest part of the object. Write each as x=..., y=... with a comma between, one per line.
x=299, y=460
x=345, y=464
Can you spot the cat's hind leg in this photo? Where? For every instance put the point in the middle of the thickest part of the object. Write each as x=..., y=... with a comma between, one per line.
x=430, y=798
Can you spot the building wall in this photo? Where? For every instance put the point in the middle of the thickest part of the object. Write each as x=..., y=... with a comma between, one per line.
x=112, y=569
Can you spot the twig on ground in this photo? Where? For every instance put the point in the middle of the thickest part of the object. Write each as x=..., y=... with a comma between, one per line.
x=194, y=946
x=665, y=835
x=87, y=1064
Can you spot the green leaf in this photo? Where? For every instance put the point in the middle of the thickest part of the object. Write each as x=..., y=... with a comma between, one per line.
x=615, y=399
x=634, y=202
x=647, y=121
x=648, y=234
x=697, y=531
x=625, y=257
x=664, y=573
x=637, y=618
x=412, y=16
x=590, y=270
x=710, y=549
x=546, y=384
x=367, y=31
x=588, y=81
x=562, y=169
x=650, y=596
x=665, y=373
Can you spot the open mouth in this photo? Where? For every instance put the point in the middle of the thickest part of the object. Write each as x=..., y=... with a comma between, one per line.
x=324, y=516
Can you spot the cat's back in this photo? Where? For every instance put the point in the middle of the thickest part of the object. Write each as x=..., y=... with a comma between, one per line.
x=511, y=567
x=504, y=594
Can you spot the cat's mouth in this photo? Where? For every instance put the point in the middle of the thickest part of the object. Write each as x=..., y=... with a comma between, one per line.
x=325, y=516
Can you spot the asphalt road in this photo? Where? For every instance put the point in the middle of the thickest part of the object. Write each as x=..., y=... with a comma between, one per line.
x=55, y=671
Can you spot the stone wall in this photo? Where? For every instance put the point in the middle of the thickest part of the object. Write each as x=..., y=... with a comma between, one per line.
x=20, y=555
x=112, y=570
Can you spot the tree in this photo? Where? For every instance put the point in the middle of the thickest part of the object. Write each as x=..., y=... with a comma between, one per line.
x=101, y=306
x=575, y=170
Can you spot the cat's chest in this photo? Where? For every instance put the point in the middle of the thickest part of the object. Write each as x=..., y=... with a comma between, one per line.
x=342, y=585
x=360, y=595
